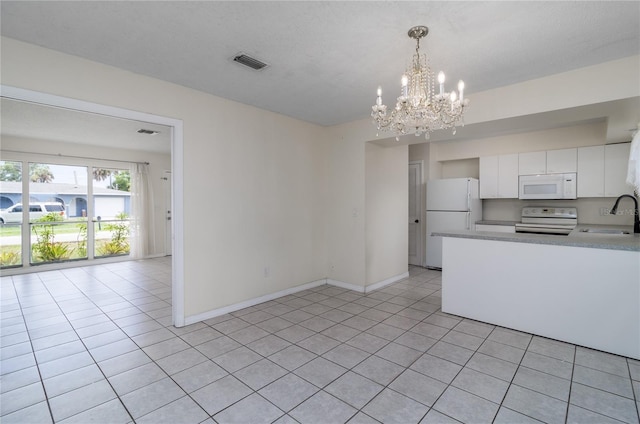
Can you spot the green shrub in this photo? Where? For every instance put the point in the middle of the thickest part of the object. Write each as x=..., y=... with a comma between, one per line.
x=8, y=258
x=46, y=249
x=119, y=243
x=82, y=240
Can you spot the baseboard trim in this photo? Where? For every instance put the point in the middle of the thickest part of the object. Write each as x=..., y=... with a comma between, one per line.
x=386, y=282
x=251, y=302
x=343, y=285
x=370, y=288
x=257, y=300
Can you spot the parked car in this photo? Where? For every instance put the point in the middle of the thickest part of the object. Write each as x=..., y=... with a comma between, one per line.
x=37, y=210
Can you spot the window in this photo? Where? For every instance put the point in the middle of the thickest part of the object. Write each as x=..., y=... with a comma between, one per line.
x=54, y=207
x=111, y=211
x=10, y=214
x=74, y=213
x=58, y=231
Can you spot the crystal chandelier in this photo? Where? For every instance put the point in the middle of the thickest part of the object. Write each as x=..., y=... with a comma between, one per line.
x=419, y=108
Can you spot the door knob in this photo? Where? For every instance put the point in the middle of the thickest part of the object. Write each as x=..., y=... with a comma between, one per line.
x=417, y=221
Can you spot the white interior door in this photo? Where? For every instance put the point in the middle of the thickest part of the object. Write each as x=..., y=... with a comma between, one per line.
x=168, y=227
x=415, y=213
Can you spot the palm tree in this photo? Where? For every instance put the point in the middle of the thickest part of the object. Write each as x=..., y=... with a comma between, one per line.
x=40, y=173
x=100, y=174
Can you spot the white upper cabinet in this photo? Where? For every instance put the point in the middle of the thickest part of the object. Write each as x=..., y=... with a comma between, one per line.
x=602, y=170
x=499, y=177
x=562, y=161
x=616, y=163
x=488, y=177
x=508, y=176
x=532, y=163
x=591, y=171
x=548, y=162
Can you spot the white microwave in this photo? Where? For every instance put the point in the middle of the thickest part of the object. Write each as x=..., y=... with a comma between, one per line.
x=547, y=186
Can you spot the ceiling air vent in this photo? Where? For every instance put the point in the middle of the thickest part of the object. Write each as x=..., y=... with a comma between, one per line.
x=249, y=61
x=147, y=132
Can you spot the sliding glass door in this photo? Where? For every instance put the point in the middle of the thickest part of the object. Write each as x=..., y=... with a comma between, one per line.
x=54, y=212
x=57, y=212
x=111, y=211
x=10, y=214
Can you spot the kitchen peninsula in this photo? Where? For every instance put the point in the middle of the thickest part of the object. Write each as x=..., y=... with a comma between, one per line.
x=582, y=288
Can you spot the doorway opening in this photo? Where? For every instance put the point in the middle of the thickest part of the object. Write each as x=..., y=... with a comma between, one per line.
x=176, y=136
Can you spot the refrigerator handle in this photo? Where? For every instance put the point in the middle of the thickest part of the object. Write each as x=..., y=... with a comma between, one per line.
x=468, y=220
x=468, y=195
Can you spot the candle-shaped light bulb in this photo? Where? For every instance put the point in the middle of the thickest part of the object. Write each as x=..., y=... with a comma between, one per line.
x=461, y=90
x=405, y=82
x=379, y=91
x=453, y=99
x=379, y=99
x=441, y=81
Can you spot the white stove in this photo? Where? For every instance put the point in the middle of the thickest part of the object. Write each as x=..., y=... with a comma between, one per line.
x=548, y=220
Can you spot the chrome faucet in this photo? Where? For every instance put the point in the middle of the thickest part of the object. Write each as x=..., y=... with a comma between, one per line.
x=636, y=217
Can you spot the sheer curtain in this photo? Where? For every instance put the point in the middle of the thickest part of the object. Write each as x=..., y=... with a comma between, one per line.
x=633, y=171
x=142, y=221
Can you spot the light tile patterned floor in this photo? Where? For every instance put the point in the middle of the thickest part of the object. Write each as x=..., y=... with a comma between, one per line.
x=96, y=344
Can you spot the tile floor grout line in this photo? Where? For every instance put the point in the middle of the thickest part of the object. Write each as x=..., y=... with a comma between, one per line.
x=458, y=373
x=44, y=389
x=636, y=396
x=573, y=368
x=88, y=350
x=90, y=354
x=400, y=293
x=320, y=356
x=358, y=410
x=511, y=383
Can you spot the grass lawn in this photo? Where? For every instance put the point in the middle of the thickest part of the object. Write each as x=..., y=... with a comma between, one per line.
x=68, y=242
x=60, y=228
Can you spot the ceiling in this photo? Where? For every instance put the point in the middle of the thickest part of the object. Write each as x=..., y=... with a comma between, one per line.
x=40, y=122
x=327, y=58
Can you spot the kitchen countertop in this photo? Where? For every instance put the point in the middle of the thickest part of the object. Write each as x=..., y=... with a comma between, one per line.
x=576, y=238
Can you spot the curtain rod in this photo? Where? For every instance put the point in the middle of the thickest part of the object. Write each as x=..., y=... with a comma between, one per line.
x=60, y=155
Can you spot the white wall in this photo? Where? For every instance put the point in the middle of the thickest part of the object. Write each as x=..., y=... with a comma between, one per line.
x=591, y=134
x=590, y=210
x=280, y=194
x=158, y=163
x=254, y=181
x=386, y=209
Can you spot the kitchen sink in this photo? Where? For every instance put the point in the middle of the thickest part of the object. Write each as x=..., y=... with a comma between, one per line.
x=605, y=231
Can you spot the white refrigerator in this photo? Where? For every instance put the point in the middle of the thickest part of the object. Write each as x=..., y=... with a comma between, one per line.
x=453, y=204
